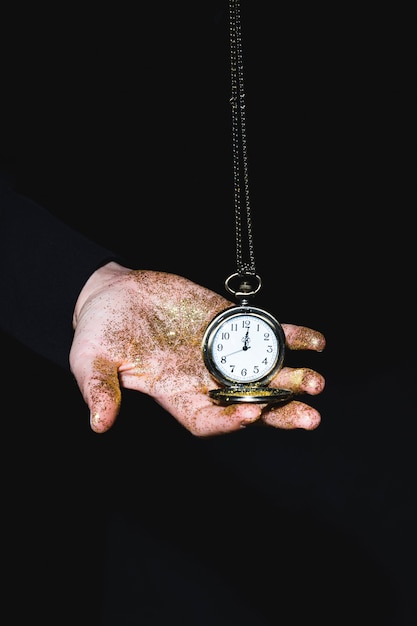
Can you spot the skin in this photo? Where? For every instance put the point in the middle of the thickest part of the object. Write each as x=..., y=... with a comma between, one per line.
x=142, y=330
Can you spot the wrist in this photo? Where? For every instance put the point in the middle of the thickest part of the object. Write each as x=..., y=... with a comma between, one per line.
x=100, y=279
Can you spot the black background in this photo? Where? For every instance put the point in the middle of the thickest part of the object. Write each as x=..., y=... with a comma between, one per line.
x=118, y=121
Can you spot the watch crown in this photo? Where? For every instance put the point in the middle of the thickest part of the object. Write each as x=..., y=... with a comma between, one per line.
x=245, y=286
x=248, y=285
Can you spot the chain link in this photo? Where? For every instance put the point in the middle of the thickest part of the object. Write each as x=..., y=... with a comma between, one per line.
x=239, y=146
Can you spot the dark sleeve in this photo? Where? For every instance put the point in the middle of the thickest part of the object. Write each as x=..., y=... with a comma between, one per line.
x=44, y=265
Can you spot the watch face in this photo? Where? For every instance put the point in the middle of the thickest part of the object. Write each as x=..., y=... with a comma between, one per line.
x=243, y=345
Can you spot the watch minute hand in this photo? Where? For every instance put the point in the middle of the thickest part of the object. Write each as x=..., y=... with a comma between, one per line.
x=245, y=347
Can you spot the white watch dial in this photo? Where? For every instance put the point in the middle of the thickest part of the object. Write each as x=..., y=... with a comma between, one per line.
x=243, y=345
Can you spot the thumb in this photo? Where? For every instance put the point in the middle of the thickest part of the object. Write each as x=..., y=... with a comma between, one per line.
x=99, y=384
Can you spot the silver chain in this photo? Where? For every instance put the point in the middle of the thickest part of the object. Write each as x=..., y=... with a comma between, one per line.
x=239, y=145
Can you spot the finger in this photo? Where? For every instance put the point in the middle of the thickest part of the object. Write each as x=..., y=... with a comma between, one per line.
x=98, y=381
x=303, y=338
x=202, y=418
x=299, y=380
x=291, y=416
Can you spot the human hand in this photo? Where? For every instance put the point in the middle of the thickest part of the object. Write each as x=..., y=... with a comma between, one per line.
x=142, y=330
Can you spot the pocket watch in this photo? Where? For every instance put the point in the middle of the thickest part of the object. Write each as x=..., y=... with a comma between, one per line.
x=243, y=349
x=243, y=346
